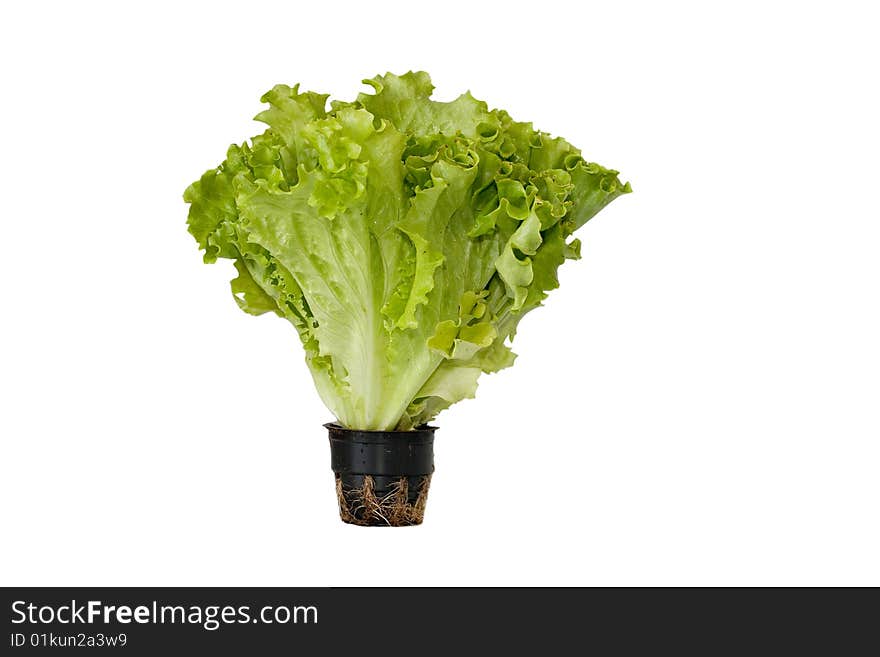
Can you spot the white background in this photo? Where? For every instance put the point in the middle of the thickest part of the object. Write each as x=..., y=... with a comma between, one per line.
x=697, y=404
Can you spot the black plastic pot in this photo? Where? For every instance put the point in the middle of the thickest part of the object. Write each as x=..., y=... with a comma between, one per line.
x=382, y=477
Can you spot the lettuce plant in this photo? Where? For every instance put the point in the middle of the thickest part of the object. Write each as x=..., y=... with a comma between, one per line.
x=404, y=238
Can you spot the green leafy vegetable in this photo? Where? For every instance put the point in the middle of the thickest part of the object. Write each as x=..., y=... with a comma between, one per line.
x=404, y=238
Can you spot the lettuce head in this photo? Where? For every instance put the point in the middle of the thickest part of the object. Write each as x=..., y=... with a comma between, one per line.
x=403, y=238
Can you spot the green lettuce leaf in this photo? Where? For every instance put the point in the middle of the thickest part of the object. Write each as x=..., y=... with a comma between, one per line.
x=404, y=238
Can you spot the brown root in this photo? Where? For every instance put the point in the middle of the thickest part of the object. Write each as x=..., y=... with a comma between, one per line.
x=391, y=507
